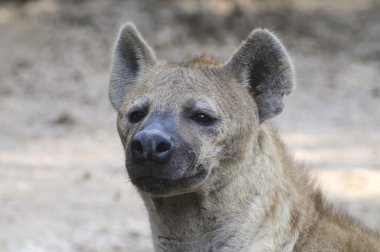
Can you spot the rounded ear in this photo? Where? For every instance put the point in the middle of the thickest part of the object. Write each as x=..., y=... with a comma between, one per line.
x=262, y=64
x=131, y=57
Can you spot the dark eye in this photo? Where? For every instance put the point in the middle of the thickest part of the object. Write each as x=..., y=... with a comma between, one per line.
x=136, y=116
x=203, y=119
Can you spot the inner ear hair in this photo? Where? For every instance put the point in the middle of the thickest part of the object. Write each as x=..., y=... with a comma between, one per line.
x=132, y=56
x=262, y=65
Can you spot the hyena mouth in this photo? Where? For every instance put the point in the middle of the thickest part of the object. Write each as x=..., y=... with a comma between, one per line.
x=156, y=185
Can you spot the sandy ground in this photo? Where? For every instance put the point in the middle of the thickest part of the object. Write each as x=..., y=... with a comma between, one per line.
x=63, y=186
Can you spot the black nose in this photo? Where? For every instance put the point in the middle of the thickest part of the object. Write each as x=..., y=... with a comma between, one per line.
x=151, y=145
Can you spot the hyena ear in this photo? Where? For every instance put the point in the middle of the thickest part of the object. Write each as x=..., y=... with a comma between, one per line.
x=262, y=64
x=132, y=56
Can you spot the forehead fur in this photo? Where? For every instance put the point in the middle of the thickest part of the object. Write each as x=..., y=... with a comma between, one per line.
x=168, y=84
x=174, y=88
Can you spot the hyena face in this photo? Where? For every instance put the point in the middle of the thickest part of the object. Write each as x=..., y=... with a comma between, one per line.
x=181, y=123
x=175, y=122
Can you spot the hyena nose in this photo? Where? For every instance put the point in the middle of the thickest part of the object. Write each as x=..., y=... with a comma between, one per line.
x=151, y=145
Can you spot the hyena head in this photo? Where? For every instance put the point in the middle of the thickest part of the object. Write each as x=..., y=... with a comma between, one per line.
x=184, y=125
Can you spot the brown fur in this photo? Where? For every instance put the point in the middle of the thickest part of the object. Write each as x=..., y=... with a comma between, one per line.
x=255, y=197
x=202, y=60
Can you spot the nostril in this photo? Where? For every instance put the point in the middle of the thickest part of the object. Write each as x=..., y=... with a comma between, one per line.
x=151, y=146
x=163, y=146
x=137, y=146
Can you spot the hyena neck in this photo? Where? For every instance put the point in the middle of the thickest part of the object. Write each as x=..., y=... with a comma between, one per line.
x=257, y=210
x=195, y=223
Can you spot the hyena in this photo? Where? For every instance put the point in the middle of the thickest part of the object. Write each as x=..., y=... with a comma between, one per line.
x=212, y=172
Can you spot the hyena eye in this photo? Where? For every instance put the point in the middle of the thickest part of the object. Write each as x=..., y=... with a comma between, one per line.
x=203, y=119
x=136, y=116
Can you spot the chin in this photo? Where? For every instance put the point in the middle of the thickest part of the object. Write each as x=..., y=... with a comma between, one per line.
x=164, y=187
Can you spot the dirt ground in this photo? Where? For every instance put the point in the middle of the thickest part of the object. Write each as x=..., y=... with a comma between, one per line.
x=63, y=186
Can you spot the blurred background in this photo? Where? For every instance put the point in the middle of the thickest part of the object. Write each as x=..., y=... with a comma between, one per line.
x=63, y=186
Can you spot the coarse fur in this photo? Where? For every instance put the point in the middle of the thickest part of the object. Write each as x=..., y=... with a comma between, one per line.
x=233, y=186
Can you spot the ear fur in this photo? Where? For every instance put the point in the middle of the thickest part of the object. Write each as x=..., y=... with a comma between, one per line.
x=262, y=64
x=132, y=56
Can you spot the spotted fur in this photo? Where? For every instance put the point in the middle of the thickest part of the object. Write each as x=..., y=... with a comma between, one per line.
x=255, y=197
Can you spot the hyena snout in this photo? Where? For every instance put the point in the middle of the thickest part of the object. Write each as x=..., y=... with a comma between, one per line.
x=159, y=160
x=152, y=145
